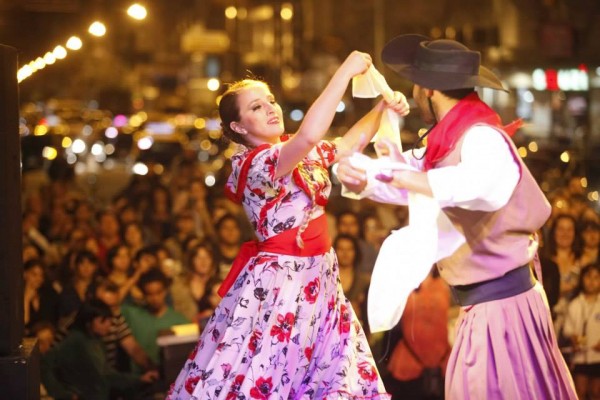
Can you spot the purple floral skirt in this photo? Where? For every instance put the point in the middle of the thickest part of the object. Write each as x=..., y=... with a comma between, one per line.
x=284, y=331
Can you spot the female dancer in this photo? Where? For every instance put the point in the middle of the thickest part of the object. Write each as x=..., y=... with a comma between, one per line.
x=284, y=329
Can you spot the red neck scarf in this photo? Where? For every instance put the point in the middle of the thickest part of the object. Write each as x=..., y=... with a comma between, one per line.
x=467, y=112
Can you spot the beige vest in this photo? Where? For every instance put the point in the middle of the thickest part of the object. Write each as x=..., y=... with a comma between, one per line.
x=497, y=241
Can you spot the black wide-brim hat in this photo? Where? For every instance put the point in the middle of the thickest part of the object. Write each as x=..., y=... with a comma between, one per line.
x=441, y=64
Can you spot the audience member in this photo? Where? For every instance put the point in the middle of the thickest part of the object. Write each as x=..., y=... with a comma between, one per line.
x=590, y=238
x=109, y=235
x=354, y=281
x=348, y=223
x=148, y=322
x=40, y=303
x=582, y=327
x=562, y=248
x=228, y=241
x=77, y=368
x=191, y=285
x=80, y=287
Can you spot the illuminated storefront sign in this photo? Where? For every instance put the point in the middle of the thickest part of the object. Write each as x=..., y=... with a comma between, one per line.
x=575, y=79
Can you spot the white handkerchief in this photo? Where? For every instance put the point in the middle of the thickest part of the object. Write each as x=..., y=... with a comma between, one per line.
x=372, y=84
x=407, y=255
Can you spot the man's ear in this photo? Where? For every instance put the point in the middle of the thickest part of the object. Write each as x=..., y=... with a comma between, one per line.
x=236, y=127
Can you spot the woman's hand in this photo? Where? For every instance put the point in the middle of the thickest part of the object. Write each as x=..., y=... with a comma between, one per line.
x=386, y=147
x=355, y=179
x=399, y=104
x=356, y=63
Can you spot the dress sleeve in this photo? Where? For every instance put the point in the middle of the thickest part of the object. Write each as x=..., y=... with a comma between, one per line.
x=325, y=152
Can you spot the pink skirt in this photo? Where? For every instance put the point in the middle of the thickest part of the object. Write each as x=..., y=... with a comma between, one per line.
x=506, y=349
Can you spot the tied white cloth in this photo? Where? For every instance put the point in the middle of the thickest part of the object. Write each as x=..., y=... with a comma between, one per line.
x=407, y=254
x=372, y=84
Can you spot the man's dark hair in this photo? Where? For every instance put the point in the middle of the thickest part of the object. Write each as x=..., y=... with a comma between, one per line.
x=457, y=94
x=84, y=255
x=89, y=310
x=153, y=275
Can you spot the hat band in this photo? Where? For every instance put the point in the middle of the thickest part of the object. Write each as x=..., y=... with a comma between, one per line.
x=454, y=68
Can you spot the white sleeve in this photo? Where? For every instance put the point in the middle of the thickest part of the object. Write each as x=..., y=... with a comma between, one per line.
x=485, y=177
x=380, y=191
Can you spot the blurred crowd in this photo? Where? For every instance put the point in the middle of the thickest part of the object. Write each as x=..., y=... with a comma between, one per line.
x=104, y=281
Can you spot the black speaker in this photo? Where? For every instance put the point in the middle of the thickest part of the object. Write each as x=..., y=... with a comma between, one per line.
x=20, y=372
x=11, y=276
x=174, y=351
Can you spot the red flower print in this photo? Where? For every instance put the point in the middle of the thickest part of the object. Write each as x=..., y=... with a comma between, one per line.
x=367, y=371
x=191, y=383
x=344, y=319
x=283, y=331
x=330, y=307
x=308, y=352
x=311, y=291
x=262, y=389
x=235, y=387
x=254, y=339
x=193, y=352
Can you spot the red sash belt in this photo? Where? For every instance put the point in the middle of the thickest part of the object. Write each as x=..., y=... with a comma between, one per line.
x=316, y=241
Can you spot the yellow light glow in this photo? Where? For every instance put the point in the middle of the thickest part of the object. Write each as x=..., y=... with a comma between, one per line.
x=74, y=43
x=135, y=120
x=564, y=157
x=584, y=182
x=287, y=12
x=49, y=58
x=59, y=52
x=213, y=84
x=533, y=147
x=66, y=142
x=215, y=134
x=49, y=153
x=40, y=130
x=228, y=153
x=137, y=11
x=522, y=152
x=97, y=28
x=205, y=144
x=200, y=123
x=242, y=13
x=25, y=72
x=593, y=196
x=39, y=63
x=231, y=12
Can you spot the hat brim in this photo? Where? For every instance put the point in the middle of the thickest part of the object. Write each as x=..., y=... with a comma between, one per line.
x=399, y=54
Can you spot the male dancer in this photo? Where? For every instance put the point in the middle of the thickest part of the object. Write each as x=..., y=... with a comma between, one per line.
x=505, y=346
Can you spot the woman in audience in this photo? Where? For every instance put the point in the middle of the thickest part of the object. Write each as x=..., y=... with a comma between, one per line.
x=563, y=249
x=133, y=236
x=80, y=287
x=354, y=282
x=40, y=303
x=590, y=238
x=189, y=287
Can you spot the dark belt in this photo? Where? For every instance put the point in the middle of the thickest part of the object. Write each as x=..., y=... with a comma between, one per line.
x=514, y=282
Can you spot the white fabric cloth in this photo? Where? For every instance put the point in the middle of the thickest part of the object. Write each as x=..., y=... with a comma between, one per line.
x=372, y=84
x=483, y=180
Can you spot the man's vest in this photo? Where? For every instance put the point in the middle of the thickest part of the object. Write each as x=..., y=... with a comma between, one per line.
x=497, y=241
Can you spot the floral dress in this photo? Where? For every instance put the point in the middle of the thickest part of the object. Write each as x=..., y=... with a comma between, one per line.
x=284, y=330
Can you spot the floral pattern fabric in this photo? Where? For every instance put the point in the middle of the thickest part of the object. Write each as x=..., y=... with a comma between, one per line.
x=285, y=330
